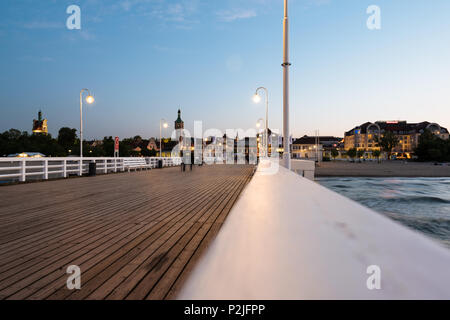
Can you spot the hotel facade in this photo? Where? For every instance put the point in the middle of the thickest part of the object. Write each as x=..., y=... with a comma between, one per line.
x=363, y=137
x=315, y=147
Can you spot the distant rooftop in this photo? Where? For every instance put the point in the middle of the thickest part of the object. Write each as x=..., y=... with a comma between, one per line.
x=401, y=127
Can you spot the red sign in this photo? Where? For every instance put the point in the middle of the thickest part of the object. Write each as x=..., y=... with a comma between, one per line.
x=116, y=144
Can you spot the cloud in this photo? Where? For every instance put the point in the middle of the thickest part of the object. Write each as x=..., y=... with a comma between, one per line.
x=35, y=59
x=180, y=12
x=86, y=35
x=236, y=14
x=43, y=25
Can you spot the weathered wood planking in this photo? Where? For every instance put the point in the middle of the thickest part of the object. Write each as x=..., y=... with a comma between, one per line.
x=134, y=235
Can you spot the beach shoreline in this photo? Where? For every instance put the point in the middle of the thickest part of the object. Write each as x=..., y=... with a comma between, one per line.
x=384, y=169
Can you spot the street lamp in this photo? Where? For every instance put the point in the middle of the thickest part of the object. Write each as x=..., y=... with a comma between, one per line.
x=257, y=99
x=258, y=125
x=286, y=64
x=89, y=99
x=162, y=123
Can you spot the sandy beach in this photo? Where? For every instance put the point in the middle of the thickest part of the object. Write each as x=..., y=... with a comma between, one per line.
x=384, y=169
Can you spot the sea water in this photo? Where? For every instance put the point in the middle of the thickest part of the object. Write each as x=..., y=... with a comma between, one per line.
x=422, y=204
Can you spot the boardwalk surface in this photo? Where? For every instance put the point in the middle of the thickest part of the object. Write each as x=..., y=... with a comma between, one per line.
x=133, y=235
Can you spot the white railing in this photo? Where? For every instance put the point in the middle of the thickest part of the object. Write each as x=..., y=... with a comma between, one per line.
x=290, y=238
x=26, y=169
x=305, y=168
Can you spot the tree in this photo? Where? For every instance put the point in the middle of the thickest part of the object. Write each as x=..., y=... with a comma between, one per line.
x=67, y=138
x=377, y=154
x=334, y=153
x=148, y=153
x=360, y=153
x=352, y=153
x=14, y=141
x=108, y=146
x=388, y=142
x=432, y=148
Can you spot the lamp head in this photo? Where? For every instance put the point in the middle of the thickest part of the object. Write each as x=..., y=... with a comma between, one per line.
x=90, y=99
x=256, y=98
x=165, y=125
x=258, y=125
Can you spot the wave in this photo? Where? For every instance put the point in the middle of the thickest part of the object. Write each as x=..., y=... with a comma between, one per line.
x=435, y=227
x=340, y=186
x=412, y=199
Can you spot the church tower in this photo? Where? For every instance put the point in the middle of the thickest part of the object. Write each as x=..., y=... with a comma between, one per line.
x=40, y=125
x=179, y=127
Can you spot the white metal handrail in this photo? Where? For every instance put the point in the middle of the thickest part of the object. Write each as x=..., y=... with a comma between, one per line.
x=21, y=169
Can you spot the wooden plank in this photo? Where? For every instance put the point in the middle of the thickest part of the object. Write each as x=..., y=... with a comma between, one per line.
x=88, y=275
x=134, y=235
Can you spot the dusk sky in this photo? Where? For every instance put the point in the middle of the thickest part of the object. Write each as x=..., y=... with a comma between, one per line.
x=144, y=59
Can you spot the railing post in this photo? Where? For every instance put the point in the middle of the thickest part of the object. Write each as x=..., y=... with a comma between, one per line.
x=106, y=165
x=115, y=165
x=46, y=169
x=80, y=163
x=23, y=170
x=65, y=168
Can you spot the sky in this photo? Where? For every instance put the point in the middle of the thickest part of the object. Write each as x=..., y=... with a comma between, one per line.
x=144, y=59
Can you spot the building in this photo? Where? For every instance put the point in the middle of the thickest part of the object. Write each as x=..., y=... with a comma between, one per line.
x=169, y=146
x=27, y=155
x=314, y=147
x=40, y=125
x=179, y=127
x=364, y=137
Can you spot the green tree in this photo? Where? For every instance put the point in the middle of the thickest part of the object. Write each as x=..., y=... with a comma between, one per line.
x=67, y=138
x=432, y=148
x=108, y=146
x=360, y=153
x=388, y=142
x=377, y=154
x=351, y=153
x=334, y=153
x=148, y=153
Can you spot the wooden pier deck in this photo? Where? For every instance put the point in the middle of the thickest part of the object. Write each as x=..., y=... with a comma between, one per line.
x=133, y=235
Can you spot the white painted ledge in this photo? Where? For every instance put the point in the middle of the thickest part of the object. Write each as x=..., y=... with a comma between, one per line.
x=290, y=238
x=305, y=168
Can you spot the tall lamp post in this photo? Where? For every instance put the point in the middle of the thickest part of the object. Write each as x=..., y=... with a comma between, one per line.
x=258, y=125
x=256, y=99
x=89, y=100
x=162, y=123
x=285, y=65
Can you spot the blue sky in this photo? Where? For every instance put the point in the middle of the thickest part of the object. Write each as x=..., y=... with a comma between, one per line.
x=143, y=59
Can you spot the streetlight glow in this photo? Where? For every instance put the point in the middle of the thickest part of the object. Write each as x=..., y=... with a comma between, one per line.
x=256, y=98
x=162, y=124
x=90, y=99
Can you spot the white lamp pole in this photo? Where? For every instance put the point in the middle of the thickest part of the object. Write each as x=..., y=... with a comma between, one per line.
x=258, y=125
x=89, y=99
x=285, y=65
x=257, y=98
x=162, y=123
